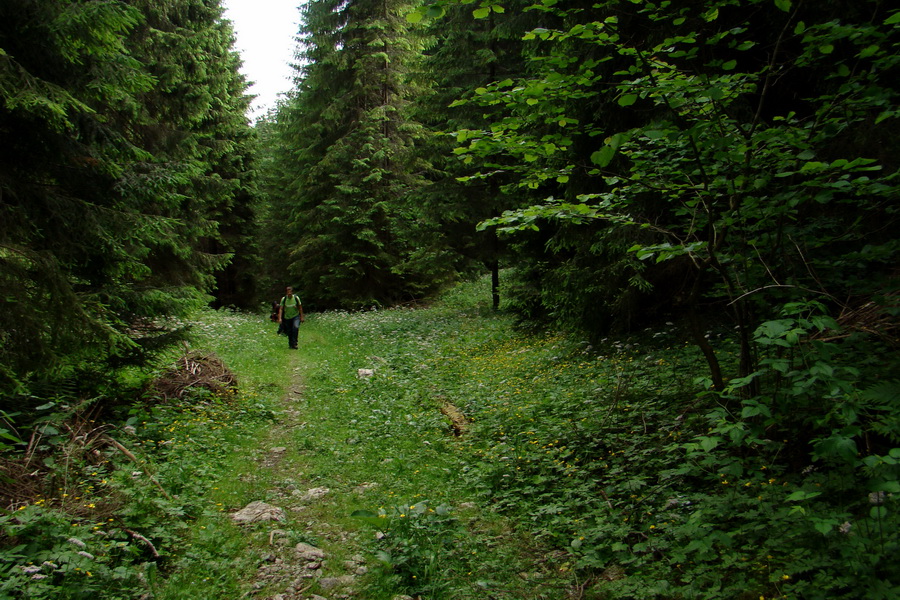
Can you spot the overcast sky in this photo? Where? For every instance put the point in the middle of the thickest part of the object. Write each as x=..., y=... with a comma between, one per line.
x=265, y=31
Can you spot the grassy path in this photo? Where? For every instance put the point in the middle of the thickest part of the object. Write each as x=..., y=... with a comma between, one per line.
x=369, y=469
x=571, y=471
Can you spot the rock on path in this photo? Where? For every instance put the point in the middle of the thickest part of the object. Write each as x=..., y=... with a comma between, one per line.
x=256, y=512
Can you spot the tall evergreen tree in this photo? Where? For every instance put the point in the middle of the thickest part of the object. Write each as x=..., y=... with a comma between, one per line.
x=463, y=54
x=107, y=183
x=195, y=125
x=349, y=160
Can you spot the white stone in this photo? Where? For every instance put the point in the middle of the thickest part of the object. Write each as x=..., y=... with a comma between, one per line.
x=307, y=552
x=256, y=512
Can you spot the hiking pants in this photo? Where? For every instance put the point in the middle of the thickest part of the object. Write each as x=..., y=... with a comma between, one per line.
x=291, y=327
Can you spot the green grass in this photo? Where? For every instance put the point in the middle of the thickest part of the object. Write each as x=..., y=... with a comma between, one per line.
x=500, y=510
x=599, y=472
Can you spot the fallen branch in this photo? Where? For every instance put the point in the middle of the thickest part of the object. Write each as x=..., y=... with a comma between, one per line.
x=134, y=459
x=141, y=538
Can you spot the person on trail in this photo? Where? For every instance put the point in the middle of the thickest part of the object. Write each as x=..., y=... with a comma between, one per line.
x=290, y=315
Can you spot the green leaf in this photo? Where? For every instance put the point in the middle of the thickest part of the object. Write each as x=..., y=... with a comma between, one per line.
x=802, y=495
x=731, y=64
x=878, y=512
x=4, y=433
x=869, y=51
x=893, y=19
x=824, y=527
x=603, y=156
x=415, y=16
x=481, y=13
x=784, y=5
x=837, y=446
x=891, y=487
x=755, y=410
x=709, y=443
x=627, y=99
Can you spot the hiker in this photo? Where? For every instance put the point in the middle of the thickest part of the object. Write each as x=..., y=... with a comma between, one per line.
x=290, y=315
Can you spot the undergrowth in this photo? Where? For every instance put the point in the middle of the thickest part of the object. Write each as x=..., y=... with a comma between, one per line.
x=605, y=471
x=628, y=474
x=128, y=487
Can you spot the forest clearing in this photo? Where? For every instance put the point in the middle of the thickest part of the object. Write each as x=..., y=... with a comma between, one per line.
x=578, y=471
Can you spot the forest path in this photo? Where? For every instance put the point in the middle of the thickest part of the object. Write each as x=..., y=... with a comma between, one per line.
x=365, y=457
x=292, y=569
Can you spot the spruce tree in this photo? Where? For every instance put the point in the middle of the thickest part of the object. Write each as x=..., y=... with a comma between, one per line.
x=352, y=235
x=69, y=234
x=195, y=125
x=115, y=158
x=467, y=49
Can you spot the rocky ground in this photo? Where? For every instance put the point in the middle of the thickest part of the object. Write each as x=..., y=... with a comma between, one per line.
x=290, y=570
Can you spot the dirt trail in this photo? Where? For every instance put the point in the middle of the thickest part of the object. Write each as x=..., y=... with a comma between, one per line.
x=291, y=568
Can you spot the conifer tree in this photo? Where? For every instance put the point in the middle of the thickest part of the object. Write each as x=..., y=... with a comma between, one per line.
x=349, y=160
x=464, y=53
x=115, y=156
x=195, y=125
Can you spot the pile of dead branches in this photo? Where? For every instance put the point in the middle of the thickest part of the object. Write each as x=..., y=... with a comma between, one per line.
x=195, y=370
x=874, y=318
x=52, y=452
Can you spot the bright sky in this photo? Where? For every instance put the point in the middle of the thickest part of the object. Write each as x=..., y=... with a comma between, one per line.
x=265, y=31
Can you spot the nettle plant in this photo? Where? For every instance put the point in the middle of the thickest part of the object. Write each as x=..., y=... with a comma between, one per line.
x=54, y=557
x=814, y=457
x=416, y=543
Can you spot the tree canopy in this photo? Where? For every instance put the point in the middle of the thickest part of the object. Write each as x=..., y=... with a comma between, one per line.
x=124, y=151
